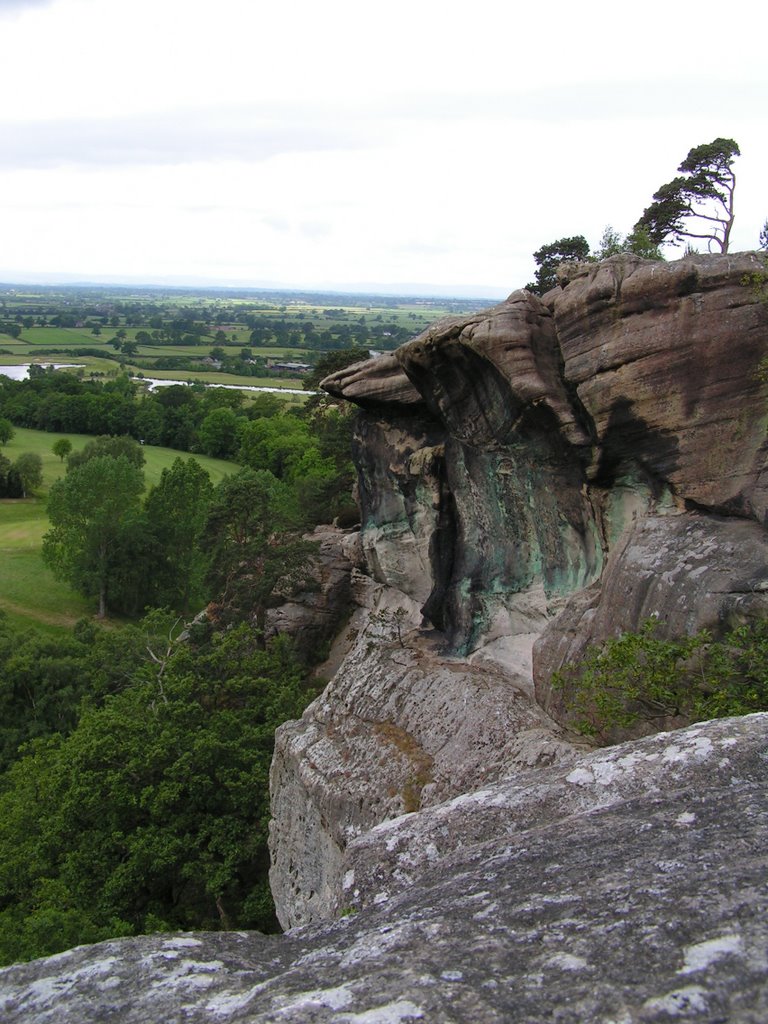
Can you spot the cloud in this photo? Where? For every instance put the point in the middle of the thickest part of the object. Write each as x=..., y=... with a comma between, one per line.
x=580, y=101
x=172, y=137
x=260, y=131
x=11, y=6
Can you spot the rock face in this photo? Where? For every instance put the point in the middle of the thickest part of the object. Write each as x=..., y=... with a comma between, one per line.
x=626, y=887
x=532, y=479
x=313, y=616
x=400, y=727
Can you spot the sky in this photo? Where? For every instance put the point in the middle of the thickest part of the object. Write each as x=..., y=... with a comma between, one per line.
x=409, y=145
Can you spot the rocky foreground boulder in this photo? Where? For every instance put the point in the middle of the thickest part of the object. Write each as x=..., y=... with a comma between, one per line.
x=628, y=887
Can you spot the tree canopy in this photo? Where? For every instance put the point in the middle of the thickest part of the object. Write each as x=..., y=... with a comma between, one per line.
x=175, y=512
x=698, y=203
x=549, y=257
x=252, y=540
x=91, y=511
x=146, y=808
x=29, y=469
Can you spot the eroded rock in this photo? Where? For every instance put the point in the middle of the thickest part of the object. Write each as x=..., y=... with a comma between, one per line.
x=647, y=907
x=313, y=615
x=538, y=477
x=400, y=727
x=664, y=358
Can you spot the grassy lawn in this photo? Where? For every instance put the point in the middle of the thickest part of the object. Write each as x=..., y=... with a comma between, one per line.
x=28, y=592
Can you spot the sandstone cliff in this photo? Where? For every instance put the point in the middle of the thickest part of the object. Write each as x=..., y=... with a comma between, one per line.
x=532, y=479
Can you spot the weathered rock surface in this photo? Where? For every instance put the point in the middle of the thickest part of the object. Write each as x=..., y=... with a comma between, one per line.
x=628, y=888
x=544, y=430
x=400, y=727
x=313, y=615
x=664, y=361
x=533, y=478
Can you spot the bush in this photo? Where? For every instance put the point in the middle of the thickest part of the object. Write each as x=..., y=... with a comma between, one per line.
x=644, y=678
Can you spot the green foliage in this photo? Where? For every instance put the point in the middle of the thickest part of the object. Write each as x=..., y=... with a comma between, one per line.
x=610, y=244
x=703, y=192
x=93, y=511
x=175, y=514
x=254, y=546
x=29, y=469
x=645, y=678
x=41, y=684
x=6, y=431
x=62, y=448
x=637, y=242
x=549, y=257
x=152, y=812
x=114, y=447
x=277, y=444
x=217, y=434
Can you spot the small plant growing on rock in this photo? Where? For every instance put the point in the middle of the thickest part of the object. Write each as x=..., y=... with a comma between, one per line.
x=392, y=621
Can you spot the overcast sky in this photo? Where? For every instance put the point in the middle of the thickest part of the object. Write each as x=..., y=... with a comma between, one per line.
x=338, y=144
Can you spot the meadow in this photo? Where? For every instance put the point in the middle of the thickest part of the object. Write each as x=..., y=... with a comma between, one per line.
x=29, y=594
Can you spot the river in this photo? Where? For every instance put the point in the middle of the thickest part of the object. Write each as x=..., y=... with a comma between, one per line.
x=21, y=372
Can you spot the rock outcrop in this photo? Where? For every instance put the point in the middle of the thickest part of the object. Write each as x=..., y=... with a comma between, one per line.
x=313, y=614
x=628, y=887
x=401, y=726
x=532, y=479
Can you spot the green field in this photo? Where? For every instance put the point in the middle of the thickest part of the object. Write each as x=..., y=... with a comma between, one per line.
x=211, y=377
x=28, y=592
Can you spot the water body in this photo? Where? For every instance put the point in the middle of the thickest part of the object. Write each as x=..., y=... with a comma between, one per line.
x=154, y=382
x=21, y=372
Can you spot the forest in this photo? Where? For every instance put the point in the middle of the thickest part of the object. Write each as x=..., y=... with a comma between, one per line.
x=135, y=747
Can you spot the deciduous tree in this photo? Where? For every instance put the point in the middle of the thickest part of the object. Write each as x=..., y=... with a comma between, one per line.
x=62, y=448
x=29, y=467
x=152, y=814
x=90, y=510
x=253, y=543
x=176, y=511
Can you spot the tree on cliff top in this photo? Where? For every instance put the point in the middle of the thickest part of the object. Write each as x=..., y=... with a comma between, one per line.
x=702, y=192
x=549, y=257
